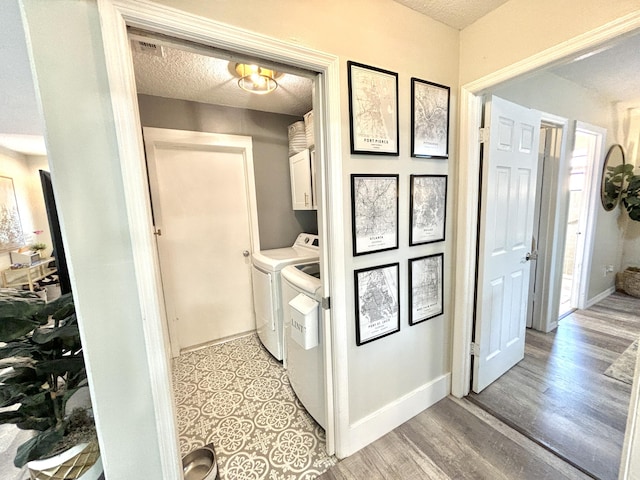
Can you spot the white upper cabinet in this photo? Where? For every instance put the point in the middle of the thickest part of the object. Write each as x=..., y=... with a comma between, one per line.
x=301, y=169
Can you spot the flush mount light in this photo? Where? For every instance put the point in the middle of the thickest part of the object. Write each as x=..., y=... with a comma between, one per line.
x=256, y=79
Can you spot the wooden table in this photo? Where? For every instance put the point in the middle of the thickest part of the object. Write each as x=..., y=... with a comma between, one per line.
x=27, y=275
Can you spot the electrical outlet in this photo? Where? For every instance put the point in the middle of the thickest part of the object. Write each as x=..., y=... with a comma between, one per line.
x=607, y=269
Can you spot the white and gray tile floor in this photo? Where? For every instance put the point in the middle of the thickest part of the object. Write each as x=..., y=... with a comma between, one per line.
x=237, y=396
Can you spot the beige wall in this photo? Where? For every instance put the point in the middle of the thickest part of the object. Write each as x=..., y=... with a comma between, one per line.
x=26, y=182
x=522, y=28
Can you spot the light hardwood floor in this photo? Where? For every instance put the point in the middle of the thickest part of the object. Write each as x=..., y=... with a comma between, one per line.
x=453, y=439
x=557, y=395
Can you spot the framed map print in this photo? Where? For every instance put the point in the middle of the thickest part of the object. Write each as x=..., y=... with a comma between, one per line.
x=429, y=119
x=377, y=305
x=428, y=208
x=373, y=110
x=11, y=236
x=425, y=288
x=374, y=211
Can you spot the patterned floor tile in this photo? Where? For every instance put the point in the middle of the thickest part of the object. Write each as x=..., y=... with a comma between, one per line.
x=237, y=396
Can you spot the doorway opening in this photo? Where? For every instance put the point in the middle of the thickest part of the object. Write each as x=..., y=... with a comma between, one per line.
x=260, y=184
x=583, y=166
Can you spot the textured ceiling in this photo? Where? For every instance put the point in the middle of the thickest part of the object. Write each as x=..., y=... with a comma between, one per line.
x=612, y=72
x=202, y=78
x=455, y=13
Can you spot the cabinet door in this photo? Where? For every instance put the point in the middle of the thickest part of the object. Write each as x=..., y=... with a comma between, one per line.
x=300, y=170
x=314, y=195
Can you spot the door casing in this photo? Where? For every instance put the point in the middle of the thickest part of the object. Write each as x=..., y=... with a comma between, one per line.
x=545, y=293
x=115, y=16
x=468, y=198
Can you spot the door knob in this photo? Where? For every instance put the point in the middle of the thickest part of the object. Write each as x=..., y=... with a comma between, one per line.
x=246, y=253
x=531, y=256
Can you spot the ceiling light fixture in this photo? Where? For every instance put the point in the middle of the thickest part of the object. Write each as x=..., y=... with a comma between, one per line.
x=256, y=79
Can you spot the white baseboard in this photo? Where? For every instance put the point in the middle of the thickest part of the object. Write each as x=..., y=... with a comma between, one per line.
x=600, y=297
x=365, y=431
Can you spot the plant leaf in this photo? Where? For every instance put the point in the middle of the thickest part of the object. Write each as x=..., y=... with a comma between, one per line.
x=38, y=446
x=16, y=349
x=61, y=366
x=12, y=328
x=11, y=394
x=44, y=335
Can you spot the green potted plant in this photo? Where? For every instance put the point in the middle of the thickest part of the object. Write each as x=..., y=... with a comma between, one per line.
x=630, y=196
x=41, y=345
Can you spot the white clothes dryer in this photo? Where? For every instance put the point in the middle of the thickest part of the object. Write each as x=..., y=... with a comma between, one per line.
x=267, y=297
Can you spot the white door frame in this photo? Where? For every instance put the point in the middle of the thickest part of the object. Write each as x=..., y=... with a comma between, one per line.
x=550, y=245
x=589, y=210
x=115, y=16
x=468, y=193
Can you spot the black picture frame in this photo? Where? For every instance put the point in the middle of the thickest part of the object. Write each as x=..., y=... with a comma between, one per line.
x=377, y=302
x=430, y=105
x=427, y=209
x=373, y=110
x=426, y=288
x=374, y=212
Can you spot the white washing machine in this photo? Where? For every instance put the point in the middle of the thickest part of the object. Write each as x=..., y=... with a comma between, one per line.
x=303, y=334
x=267, y=297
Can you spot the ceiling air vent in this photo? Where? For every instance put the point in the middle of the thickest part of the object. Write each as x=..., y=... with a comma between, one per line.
x=149, y=48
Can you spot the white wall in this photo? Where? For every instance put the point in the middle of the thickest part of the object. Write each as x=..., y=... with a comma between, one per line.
x=552, y=94
x=70, y=74
x=26, y=182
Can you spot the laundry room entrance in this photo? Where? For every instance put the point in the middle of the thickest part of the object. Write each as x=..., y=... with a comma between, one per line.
x=235, y=199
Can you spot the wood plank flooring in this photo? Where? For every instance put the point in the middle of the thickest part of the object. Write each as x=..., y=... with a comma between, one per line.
x=558, y=393
x=559, y=396
x=453, y=439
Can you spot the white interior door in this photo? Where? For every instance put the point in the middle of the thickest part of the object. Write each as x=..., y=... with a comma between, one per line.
x=203, y=197
x=509, y=171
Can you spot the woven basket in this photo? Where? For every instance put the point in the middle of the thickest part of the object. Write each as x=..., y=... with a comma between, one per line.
x=308, y=128
x=631, y=281
x=297, y=138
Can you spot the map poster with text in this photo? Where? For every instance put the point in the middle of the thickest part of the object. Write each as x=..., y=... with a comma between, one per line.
x=429, y=119
x=374, y=213
x=425, y=287
x=428, y=206
x=373, y=110
x=377, y=306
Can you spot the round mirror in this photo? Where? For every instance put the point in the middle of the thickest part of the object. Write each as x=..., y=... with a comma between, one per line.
x=613, y=176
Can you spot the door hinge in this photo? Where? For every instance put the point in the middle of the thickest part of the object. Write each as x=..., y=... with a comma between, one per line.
x=326, y=303
x=483, y=134
x=475, y=349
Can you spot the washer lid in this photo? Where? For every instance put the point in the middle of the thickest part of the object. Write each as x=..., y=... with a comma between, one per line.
x=303, y=277
x=273, y=260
